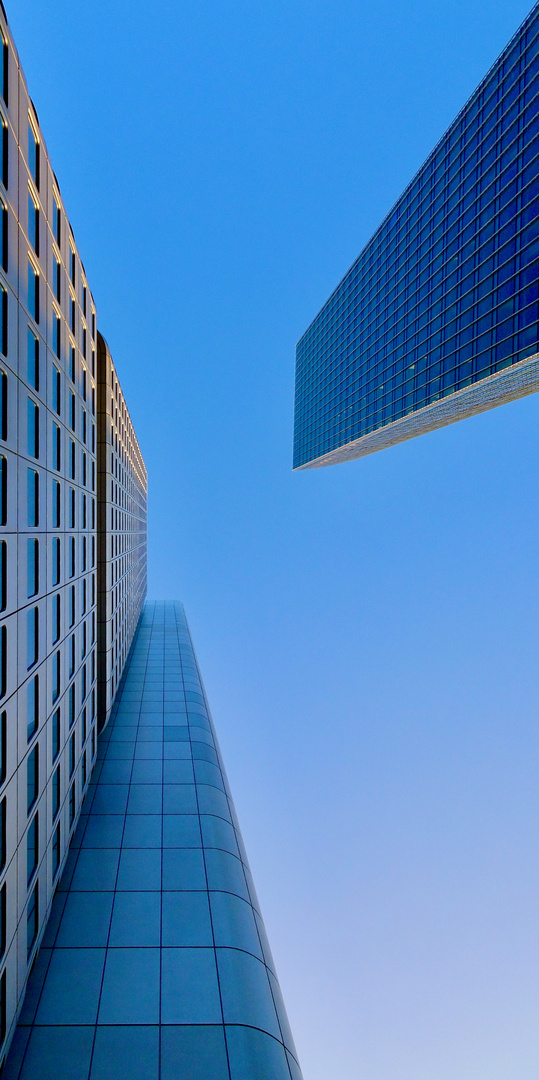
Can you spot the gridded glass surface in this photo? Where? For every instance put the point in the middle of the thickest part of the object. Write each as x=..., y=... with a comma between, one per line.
x=446, y=292
x=154, y=964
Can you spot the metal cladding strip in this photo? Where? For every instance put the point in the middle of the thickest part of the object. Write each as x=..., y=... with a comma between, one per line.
x=155, y=963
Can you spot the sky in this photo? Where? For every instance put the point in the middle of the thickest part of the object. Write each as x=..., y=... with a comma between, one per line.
x=367, y=633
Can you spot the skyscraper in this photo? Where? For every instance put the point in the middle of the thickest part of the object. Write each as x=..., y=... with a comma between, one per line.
x=131, y=941
x=155, y=964
x=438, y=317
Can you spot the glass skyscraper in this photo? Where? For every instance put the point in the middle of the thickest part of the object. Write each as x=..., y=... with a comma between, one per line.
x=131, y=940
x=155, y=964
x=438, y=317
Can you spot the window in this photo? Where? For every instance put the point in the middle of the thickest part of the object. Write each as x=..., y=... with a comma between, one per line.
x=72, y=265
x=33, y=359
x=83, y=556
x=32, y=567
x=84, y=297
x=93, y=324
x=72, y=408
x=56, y=334
x=32, y=636
x=84, y=341
x=3, y=318
x=56, y=792
x=56, y=390
x=72, y=367
x=56, y=734
x=72, y=605
x=72, y=314
x=83, y=612
x=56, y=560
x=4, y=71
x=3, y=1006
x=72, y=804
x=93, y=740
x=32, y=918
x=84, y=383
x=56, y=676
x=3, y=921
x=3, y=575
x=93, y=438
x=83, y=508
x=33, y=154
x=71, y=656
x=84, y=681
x=32, y=777
x=33, y=223
x=58, y=279
x=56, y=489
x=72, y=461
x=56, y=220
x=93, y=361
x=32, y=492
x=56, y=459
x=72, y=754
x=84, y=476
x=56, y=618
x=33, y=428
x=3, y=746
x=3, y=833
x=4, y=152
x=3, y=661
x=33, y=291
x=32, y=706
x=71, y=700
x=84, y=725
x=56, y=850
x=71, y=508
x=4, y=239
x=84, y=769
x=32, y=848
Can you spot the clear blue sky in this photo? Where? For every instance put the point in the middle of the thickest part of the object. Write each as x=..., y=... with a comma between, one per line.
x=368, y=633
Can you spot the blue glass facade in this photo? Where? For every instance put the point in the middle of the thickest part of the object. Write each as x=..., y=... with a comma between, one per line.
x=445, y=294
x=155, y=963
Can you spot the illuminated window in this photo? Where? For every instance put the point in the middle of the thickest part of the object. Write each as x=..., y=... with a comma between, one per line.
x=56, y=220
x=33, y=291
x=33, y=223
x=4, y=152
x=4, y=68
x=57, y=279
x=33, y=154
